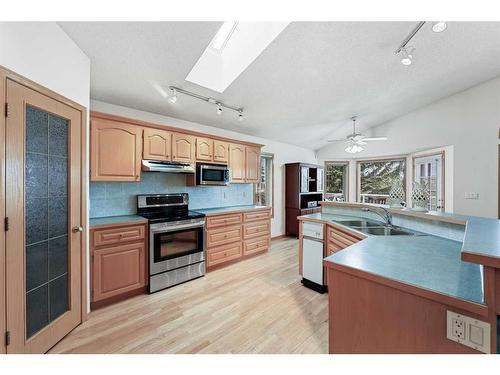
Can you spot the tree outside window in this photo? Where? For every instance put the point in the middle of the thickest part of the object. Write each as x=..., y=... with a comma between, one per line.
x=336, y=180
x=376, y=178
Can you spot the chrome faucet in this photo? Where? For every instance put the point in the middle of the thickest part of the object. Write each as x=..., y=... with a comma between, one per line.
x=386, y=215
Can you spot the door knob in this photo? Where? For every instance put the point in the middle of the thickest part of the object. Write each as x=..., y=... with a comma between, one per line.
x=77, y=229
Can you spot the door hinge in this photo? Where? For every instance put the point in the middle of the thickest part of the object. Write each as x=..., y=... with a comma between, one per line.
x=7, y=338
x=6, y=109
x=6, y=224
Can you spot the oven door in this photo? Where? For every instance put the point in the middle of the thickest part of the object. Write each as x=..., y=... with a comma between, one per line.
x=212, y=175
x=175, y=246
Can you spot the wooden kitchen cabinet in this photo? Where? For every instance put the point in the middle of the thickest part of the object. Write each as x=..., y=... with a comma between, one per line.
x=221, y=152
x=118, y=265
x=204, y=149
x=237, y=162
x=252, y=163
x=157, y=144
x=234, y=236
x=115, y=151
x=183, y=147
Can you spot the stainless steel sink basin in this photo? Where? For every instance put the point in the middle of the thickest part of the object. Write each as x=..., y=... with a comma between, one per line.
x=388, y=231
x=359, y=223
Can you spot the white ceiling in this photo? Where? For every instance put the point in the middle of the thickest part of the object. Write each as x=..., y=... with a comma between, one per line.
x=304, y=87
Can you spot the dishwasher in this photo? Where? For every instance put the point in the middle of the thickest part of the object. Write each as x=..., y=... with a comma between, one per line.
x=312, y=256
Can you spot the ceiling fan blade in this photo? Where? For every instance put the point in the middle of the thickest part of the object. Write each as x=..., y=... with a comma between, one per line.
x=336, y=140
x=360, y=143
x=369, y=139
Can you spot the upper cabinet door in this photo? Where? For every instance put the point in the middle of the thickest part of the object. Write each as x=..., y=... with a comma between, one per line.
x=221, y=152
x=304, y=179
x=183, y=147
x=320, y=181
x=204, y=149
x=157, y=144
x=237, y=162
x=252, y=158
x=115, y=151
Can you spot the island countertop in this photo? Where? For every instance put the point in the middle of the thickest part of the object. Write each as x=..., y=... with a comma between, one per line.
x=424, y=261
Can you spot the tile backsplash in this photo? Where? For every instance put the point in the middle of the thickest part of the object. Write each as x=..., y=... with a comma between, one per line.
x=119, y=198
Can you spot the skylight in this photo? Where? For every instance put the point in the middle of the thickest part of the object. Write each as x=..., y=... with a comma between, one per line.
x=235, y=46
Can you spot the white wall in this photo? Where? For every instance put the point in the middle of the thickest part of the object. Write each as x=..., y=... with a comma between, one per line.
x=468, y=122
x=283, y=153
x=42, y=52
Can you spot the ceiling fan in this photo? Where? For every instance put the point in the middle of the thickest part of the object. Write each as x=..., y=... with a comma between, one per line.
x=355, y=140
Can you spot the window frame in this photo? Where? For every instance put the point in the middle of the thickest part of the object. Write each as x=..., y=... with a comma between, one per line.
x=345, y=163
x=271, y=157
x=443, y=164
x=384, y=158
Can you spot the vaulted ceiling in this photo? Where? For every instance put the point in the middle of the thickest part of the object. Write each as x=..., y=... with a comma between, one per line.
x=304, y=87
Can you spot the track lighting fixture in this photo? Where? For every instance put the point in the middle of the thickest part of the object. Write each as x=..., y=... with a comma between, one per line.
x=173, y=98
x=220, y=106
x=439, y=27
x=405, y=52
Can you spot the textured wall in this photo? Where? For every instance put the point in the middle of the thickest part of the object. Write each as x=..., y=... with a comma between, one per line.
x=119, y=198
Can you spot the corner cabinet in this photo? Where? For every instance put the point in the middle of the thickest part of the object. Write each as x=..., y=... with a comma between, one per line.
x=183, y=147
x=115, y=151
x=157, y=145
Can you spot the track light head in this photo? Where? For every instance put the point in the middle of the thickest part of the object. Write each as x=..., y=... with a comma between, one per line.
x=439, y=27
x=219, y=109
x=173, y=98
x=240, y=116
x=407, y=55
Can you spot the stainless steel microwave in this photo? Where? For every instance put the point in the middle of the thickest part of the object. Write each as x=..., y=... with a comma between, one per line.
x=212, y=175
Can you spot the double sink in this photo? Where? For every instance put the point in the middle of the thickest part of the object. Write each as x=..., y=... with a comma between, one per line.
x=375, y=228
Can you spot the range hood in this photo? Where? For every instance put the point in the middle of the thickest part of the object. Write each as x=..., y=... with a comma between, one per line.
x=167, y=166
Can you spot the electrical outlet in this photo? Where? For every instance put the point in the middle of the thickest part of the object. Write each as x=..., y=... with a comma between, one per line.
x=458, y=328
x=468, y=331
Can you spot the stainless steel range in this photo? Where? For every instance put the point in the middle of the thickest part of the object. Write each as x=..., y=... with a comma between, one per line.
x=176, y=239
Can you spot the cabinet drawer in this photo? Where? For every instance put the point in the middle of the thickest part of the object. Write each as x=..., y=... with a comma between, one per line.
x=117, y=270
x=256, y=245
x=225, y=235
x=314, y=230
x=256, y=215
x=343, y=236
x=112, y=236
x=223, y=254
x=333, y=247
x=223, y=220
x=257, y=229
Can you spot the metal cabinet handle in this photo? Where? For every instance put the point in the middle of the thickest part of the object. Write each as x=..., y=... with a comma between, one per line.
x=77, y=228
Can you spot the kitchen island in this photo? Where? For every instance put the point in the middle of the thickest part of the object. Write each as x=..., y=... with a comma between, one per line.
x=391, y=294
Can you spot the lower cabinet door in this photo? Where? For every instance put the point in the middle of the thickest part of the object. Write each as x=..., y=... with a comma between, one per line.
x=118, y=270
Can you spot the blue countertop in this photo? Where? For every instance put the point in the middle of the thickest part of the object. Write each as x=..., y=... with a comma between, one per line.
x=97, y=221
x=220, y=210
x=427, y=261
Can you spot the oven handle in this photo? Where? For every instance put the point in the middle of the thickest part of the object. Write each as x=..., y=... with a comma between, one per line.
x=174, y=228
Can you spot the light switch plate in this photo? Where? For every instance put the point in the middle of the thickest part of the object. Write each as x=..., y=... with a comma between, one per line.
x=471, y=195
x=468, y=331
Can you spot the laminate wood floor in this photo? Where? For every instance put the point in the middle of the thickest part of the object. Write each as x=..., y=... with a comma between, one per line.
x=255, y=306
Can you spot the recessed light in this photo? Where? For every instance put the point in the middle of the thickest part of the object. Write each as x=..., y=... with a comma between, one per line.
x=219, y=109
x=220, y=39
x=439, y=27
x=240, y=116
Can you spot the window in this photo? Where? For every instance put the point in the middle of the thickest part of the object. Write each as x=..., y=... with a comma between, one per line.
x=263, y=190
x=336, y=176
x=429, y=170
x=376, y=178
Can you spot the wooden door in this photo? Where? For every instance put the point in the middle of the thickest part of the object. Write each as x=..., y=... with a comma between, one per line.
x=204, y=149
x=183, y=147
x=157, y=144
x=43, y=206
x=117, y=270
x=252, y=164
x=237, y=162
x=115, y=151
x=221, y=152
